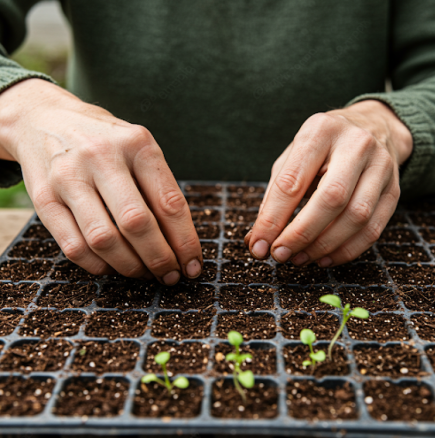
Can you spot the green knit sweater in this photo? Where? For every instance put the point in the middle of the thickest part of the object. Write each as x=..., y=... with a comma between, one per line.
x=224, y=85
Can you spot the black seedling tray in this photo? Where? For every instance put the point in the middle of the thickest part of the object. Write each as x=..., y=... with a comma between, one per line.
x=283, y=424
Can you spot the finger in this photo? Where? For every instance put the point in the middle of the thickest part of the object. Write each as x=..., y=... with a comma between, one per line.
x=101, y=234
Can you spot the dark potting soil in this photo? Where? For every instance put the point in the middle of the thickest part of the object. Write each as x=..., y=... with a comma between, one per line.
x=367, y=256
x=294, y=355
x=424, y=325
x=247, y=190
x=263, y=360
x=247, y=273
x=373, y=299
x=244, y=201
x=307, y=299
x=200, y=188
x=311, y=274
x=261, y=401
x=417, y=298
x=308, y=399
x=69, y=271
x=413, y=275
x=398, y=236
x=430, y=352
x=112, y=325
x=19, y=270
x=154, y=401
x=423, y=219
x=92, y=398
x=250, y=326
x=27, y=357
x=105, y=357
x=186, y=296
x=428, y=234
x=247, y=216
x=207, y=231
x=209, y=250
x=131, y=294
x=8, y=322
x=37, y=232
x=204, y=200
x=46, y=323
x=17, y=295
x=235, y=231
x=32, y=249
x=394, y=361
x=398, y=220
x=209, y=270
x=186, y=358
x=364, y=274
x=404, y=253
x=24, y=397
x=324, y=325
x=206, y=215
x=382, y=327
x=182, y=326
x=63, y=296
x=237, y=251
x=399, y=402
x=246, y=298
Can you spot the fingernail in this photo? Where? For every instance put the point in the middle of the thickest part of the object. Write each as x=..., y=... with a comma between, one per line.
x=171, y=278
x=300, y=259
x=282, y=254
x=193, y=268
x=260, y=249
x=325, y=262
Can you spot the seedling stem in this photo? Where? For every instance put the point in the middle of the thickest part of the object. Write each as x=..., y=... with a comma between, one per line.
x=308, y=338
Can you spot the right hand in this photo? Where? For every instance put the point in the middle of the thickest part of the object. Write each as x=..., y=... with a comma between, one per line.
x=77, y=159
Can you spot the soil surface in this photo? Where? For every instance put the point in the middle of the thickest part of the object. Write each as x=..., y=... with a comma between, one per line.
x=246, y=298
x=294, y=355
x=424, y=325
x=324, y=325
x=132, y=294
x=112, y=325
x=367, y=256
x=260, y=326
x=364, y=274
x=182, y=326
x=247, y=216
x=19, y=270
x=430, y=352
x=154, y=401
x=69, y=271
x=37, y=232
x=204, y=200
x=414, y=274
x=200, y=188
x=186, y=358
x=209, y=250
x=226, y=402
x=24, y=397
x=373, y=299
x=398, y=220
x=423, y=219
x=398, y=236
x=291, y=274
x=33, y=249
x=419, y=299
x=404, y=253
x=17, y=295
x=207, y=231
x=63, y=296
x=240, y=190
x=206, y=215
x=8, y=322
x=45, y=323
x=406, y=402
x=187, y=296
x=428, y=234
x=237, y=251
x=106, y=357
x=43, y=356
x=236, y=231
x=307, y=399
x=307, y=299
x=394, y=361
x=383, y=327
x=263, y=360
x=209, y=271
x=92, y=398
x=244, y=201
x=246, y=273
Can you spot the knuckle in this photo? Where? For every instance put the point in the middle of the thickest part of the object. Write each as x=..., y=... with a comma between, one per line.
x=101, y=238
x=360, y=212
x=302, y=236
x=347, y=254
x=366, y=140
x=140, y=134
x=190, y=243
x=43, y=197
x=323, y=247
x=160, y=263
x=134, y=220
x=290, y=183
x=74, y=250
x=133, y=271
x=95, y=149
x=372, y=232
x=335, y=195
x=267, y=223
x=173, y=203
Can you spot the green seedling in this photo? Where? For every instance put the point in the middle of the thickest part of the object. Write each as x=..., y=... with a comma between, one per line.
x=308, y=338
x=162, y=359
x=244, y=378
x=346, y=313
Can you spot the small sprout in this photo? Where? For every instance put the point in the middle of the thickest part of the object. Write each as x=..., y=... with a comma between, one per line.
x=346, y=313
x=162, y=359
x=308, y=338
x=244, y=378
x=82, y=352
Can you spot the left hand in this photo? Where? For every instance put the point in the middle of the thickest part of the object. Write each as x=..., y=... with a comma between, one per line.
x=350, y=160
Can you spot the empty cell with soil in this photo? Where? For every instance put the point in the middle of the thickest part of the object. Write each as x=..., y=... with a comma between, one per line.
x=246, y=298
x=132, y=294
x=63, y=296
x=246, y=273
x=383, y=327
x=258, y=326
x=290, y=274
x=19, y=271
x=373, y=299
x=323, y=324
x=364, y=274
x=179, y=326
x=113, y=325
x=187, y=296
x=303, y=298
x=17, y=295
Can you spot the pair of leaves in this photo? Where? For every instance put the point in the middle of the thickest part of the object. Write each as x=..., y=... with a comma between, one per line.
x=239, y=358
x=235, y=338
x=319, y=356
x=179, y=382
x=335, y=301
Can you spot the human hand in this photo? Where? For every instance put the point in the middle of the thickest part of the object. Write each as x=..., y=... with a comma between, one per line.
x=77, y=159
x=349, y=160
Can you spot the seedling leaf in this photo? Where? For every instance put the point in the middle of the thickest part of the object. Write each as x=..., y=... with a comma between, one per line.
x=181, y=382
x=307, y=336
x=359, y=312
x=319, y=356
x=243, y=357
x=162, y=358
x=246, y=378
x=149, y=378
x=235, y=338
x=230, y=357
x=332, y=300
x=306, y=363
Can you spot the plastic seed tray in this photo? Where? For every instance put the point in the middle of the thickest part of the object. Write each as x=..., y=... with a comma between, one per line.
x=381, y=278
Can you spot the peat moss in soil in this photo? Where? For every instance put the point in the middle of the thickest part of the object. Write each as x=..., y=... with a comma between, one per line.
x=187, y=296
x=329, y=400
x=132, y=294
x=398, y=220
x=154, y=401
x=398, y=236
x=247, y=190
x=206, y=215
x=417, y=298
x=105, y=357
x=387, y=401
x=46, y=323
x=186, y=358
x=323, y=324
x=367, y=256
x=112, y=325
x=403, y=253
x=383, y=327
x=364, y=274
x=37, y=232
x=91, y=397
x=63, y=296
x=209, y=271
x=290, y=274
x=204, y=200
x=244, y=201
x=428, y=234
x=209, y=250
x=417, y=275
x=33, y=249
x=307, y=299
x=17, y=295
x=69, y=271
x=28, y=357
x=424, y=325
x=246, y=273
x=261, y=401
x=19, y=270
x=260, y=326
x=430, y=352
x=237, y=251
x=180, y=326
x=294, y=355
x=423, y=219
x=21, y=397
x=207, y=231
x=200, y=188
x=373, y=299
x=246, y=298
x=8, y=322
x=236, y=231
x=247, y=216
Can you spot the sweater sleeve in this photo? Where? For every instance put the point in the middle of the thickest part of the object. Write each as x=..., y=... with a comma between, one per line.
x=412, y=73
x=12, y=33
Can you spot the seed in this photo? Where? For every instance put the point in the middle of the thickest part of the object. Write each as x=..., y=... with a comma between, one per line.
x=369, y=400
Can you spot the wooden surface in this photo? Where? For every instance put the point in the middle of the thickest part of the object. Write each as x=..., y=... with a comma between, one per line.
x=11, y=222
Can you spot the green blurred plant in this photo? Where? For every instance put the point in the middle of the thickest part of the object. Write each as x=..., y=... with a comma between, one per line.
x=308, y=337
